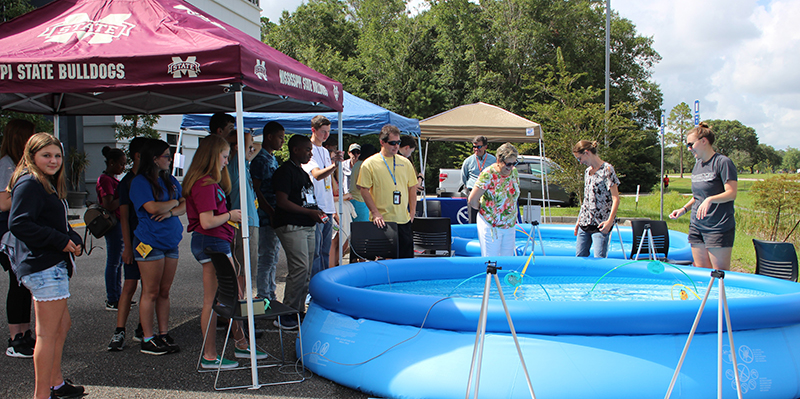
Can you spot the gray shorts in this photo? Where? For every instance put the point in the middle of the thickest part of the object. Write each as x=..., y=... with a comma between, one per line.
x=717, y=239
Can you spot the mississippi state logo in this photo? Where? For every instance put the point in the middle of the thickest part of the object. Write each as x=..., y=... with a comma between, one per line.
x=105, y=30
x=261, y=69
x=179, y=67
x=336, y=92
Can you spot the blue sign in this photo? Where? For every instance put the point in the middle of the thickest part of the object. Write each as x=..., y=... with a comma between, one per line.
x=696, y=113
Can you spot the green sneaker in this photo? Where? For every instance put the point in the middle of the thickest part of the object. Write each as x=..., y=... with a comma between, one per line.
x=245, y=354
x=212, y=364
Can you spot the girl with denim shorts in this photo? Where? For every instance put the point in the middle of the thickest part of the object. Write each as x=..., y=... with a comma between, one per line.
x=38, y=219
x=157, y=201
x=108, y=197
x=206, y=183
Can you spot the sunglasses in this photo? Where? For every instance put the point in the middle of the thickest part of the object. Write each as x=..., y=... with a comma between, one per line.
x=511, y=164
x=393, y=142
x=477, y=146
x=690, y=144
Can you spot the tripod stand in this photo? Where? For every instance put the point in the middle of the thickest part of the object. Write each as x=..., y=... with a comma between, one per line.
x=723, y=304
x=532, y=237
x=480, y=335
x=651, y=249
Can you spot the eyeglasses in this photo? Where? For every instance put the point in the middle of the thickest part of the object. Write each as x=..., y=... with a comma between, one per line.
x=690, y=144
x=511, y=164
x=477, y=146
x=393, y=142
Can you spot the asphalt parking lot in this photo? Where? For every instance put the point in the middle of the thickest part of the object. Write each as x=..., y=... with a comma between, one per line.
x=131, y=374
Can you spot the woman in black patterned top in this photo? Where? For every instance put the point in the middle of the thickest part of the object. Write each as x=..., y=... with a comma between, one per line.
x=600, y=201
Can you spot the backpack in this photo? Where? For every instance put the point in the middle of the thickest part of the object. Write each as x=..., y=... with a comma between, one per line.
x=99, y=221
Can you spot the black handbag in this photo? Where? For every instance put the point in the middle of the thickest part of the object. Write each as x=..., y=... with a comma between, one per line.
x=99, y=221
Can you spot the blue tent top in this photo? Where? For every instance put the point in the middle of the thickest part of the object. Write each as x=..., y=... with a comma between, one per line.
x=360, y=117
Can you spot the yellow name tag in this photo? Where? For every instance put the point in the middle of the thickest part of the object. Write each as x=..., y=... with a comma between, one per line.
x=234, y=224
x=143, y=249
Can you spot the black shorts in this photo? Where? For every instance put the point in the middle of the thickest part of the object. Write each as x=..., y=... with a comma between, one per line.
x=717, y=239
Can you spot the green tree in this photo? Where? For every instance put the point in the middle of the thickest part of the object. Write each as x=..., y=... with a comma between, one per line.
x=571, y=115
x=777, y=196
x=679, y=122
x=791, y=160
x=10, y=9
x=769, y=159
x=736, y=140
x=136, y=126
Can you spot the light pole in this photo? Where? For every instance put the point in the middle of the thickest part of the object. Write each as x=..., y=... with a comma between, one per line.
x=661, y=176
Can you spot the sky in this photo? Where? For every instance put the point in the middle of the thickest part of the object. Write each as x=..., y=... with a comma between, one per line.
x=740, y=58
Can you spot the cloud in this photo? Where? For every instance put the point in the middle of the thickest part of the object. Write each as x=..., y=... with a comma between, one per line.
x=738, y=57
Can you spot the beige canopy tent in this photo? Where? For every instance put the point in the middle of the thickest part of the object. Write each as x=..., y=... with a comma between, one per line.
x=480, y=119
x=467, y=121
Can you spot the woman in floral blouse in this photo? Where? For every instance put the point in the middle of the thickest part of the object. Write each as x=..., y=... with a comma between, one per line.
x=497, y=189
x=600, y=201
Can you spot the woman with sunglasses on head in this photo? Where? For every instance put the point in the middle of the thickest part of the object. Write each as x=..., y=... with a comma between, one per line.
x=495, y=196
x=156, y=198
x=38, y=219
x=714, y=184
x=600, y=201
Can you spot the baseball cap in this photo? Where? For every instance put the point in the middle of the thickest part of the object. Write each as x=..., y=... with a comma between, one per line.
x=354, y=146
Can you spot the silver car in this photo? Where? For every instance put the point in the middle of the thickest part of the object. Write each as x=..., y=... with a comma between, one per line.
x=530, y=181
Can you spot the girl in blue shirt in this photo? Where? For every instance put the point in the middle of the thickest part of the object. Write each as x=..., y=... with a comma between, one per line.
x=157, y=201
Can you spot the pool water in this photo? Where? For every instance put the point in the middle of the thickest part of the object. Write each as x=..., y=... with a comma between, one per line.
x=570, y=288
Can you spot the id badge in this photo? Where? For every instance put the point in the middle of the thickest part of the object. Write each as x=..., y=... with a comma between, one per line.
x=143, y=249
x=396, y=197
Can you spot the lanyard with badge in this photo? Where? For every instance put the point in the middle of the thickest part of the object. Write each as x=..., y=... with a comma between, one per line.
x=307, y=193
x=395, y=193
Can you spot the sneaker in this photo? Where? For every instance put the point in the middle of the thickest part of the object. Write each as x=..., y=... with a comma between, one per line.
x=19, y=347
x=285, y=323
x=137, y=334
x=245, y=353
x=170, y=343
x=218, y=363
x=117, y=342
x=67, y=391
x=29, y=339
x=154, y=346
x=112, y=306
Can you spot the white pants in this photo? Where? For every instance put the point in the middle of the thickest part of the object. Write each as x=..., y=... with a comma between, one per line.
x=495, y=241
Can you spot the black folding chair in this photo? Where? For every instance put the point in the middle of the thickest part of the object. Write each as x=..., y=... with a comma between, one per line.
x=651, y=237
x=431, y=236
x=369, y=242
x=776, y=259
x=226, y=304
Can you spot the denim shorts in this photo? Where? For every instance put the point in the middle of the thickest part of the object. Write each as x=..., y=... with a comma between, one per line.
x=50, y=284
x=154, y=254
x=131, y=271
x=201, y=241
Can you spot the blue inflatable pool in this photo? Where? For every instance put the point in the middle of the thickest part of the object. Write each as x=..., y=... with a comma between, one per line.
x=559, y=240
x=365, y=330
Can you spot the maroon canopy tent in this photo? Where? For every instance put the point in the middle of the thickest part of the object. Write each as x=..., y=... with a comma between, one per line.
x=107, y=57
x=118, y=57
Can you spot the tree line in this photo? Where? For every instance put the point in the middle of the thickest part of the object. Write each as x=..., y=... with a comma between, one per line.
x=540, y=59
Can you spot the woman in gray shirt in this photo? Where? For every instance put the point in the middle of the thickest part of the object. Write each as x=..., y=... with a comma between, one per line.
x=714, y=184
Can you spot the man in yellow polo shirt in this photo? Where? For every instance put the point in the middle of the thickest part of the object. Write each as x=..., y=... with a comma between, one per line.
x=388, y=184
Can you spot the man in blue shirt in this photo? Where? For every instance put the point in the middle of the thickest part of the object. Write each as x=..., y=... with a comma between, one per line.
x=252, y=223
x=473, y=166
x=261, y=170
